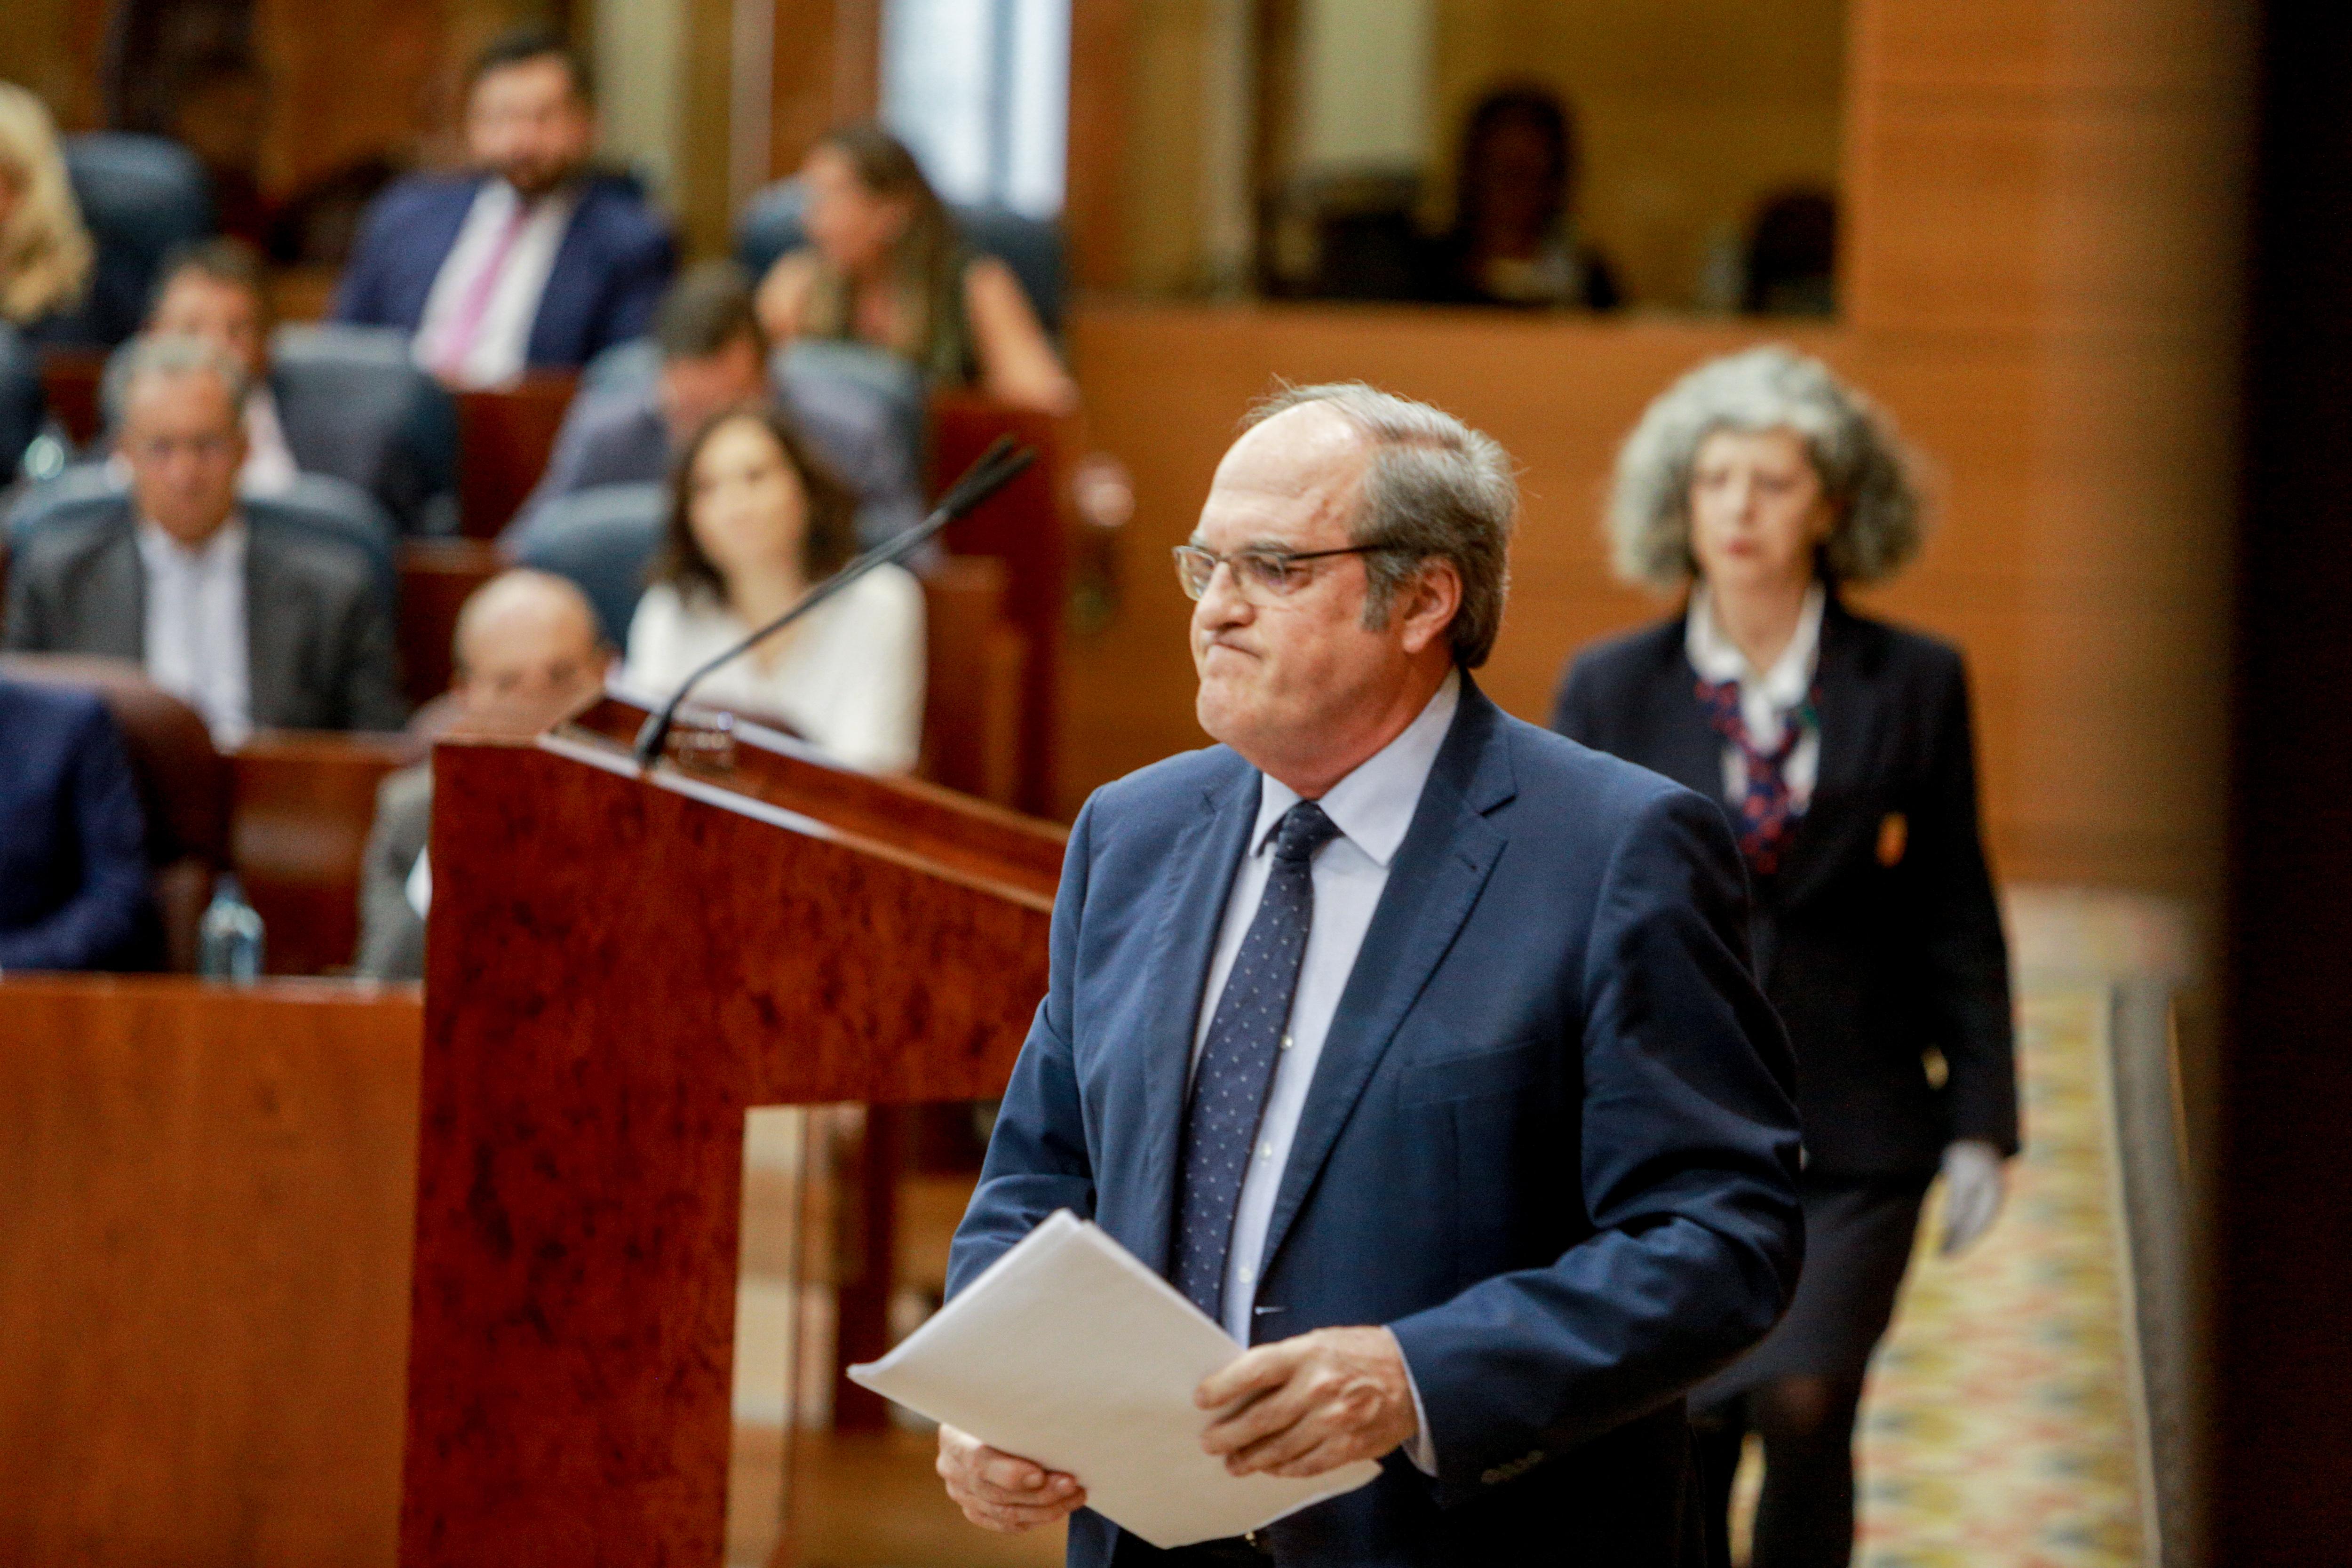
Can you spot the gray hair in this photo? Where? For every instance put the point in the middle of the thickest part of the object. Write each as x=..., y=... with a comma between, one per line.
x=1864, y=468
x=1434, y=489
x=149, y=356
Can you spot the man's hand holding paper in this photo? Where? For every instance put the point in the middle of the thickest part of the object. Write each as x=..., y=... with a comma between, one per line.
x=1300, y=1406
x=1002, y=1491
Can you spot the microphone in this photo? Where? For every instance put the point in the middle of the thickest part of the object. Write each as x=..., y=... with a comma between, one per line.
x=988, y=473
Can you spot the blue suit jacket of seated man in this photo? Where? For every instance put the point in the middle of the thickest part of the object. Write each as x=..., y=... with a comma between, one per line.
x=73, y=863
x=609, y=272
x=1551, y=1140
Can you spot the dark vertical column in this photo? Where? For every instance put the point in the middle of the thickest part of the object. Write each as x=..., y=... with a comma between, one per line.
x=2282, y=1448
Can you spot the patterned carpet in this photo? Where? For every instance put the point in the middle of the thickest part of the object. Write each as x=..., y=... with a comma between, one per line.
x=1999, y=1429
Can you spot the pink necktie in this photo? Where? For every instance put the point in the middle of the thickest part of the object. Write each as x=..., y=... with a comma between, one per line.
x=457, y=340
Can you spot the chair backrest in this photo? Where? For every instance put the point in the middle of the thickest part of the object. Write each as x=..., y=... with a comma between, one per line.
x=628, y=366
x=771, y=224
x=365, y=375
x=139, y=197
x=23, y=403
x=184, y=782
x=362, y=384
x=601, y=538
x=315, y=507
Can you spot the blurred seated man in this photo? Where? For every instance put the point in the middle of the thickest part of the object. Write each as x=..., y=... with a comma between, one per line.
x=714, y=356
x=528, y=262
x=216, y=290
x=73, y=864
x=529, y=655
x=253, y=628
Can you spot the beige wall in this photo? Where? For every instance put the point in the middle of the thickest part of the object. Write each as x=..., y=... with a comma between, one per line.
x=2043, y=218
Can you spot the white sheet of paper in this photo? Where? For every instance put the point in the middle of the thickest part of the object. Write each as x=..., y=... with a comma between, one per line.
x=1070, y=1353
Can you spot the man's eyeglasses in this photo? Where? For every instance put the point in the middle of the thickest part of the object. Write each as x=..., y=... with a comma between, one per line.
x=1261, y=574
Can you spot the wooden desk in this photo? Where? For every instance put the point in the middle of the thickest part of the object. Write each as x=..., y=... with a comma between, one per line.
x=504, y=437
x=437, y=577
x=203, y=1270
x=71, y=380
x=634, y=960
x=301, y=804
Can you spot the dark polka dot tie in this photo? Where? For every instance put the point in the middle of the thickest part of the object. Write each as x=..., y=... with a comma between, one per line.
x=1767, y=806
x=1246, y=1037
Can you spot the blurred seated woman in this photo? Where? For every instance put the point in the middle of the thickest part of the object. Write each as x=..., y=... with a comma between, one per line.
x=756, y=521
x=1514, y=239
x=45, y=253
x=884, y=268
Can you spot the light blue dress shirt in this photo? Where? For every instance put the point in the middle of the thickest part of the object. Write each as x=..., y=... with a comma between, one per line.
x=1372, y=807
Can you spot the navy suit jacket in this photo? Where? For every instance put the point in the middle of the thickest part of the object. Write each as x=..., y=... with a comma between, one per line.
x=1879, y=937
x=609, y=272
x=73, y=861
x=1549, y=1142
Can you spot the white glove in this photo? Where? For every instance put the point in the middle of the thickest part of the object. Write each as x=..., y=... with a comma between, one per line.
x=1974, y=1184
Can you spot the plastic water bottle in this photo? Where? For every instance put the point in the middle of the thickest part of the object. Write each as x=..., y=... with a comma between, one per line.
x=229, y=941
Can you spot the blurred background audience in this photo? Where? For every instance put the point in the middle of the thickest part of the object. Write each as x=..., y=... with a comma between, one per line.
x=255, y=626
x=302, y=416
x=755, y=520
x=45, y=254
x=73, y=860
x=529, y=261
x=1514, y=239
x=711, y=353
x=528, y=654
x=884, y=265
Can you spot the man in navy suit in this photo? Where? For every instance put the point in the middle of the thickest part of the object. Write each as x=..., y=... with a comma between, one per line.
x=73, y=862
x=1417, y=1046
x=526, y=263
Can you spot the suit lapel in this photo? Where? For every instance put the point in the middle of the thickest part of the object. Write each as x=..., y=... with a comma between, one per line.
x=1433, y=883
x=117, y=617
x=1690, y=750
x=275, y=616
x=1207, y=854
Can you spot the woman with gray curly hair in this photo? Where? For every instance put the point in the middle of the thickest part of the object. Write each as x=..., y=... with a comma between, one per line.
x=1759, y=485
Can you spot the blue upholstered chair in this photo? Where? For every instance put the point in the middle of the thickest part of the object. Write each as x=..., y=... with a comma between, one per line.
x=22, y=403
x=770, y=226
x=353, y=407
x=139, y=197
x=601, y=538
x=316, y=507
x=357, y=407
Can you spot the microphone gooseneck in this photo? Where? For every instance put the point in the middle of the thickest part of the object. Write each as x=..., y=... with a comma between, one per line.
x=988, y=473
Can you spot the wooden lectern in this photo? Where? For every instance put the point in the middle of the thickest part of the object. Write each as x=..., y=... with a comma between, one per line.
x=619, y=965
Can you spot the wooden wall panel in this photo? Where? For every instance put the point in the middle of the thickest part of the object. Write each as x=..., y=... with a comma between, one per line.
x=203, y=1270
x=2041, y=280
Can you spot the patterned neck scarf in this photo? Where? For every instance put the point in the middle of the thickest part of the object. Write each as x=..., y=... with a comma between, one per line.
x=1768, y=811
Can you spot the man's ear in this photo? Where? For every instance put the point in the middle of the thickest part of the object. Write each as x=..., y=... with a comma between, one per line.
x=1427, y=604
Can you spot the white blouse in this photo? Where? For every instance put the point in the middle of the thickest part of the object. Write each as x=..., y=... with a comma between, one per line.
x=848, y=678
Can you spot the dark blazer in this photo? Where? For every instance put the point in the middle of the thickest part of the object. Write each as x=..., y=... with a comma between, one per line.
x=73, y=859
x=392, y=933
x=1550, y=1141
x=318, y=637
x=1879, y=939
x=609, y=272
